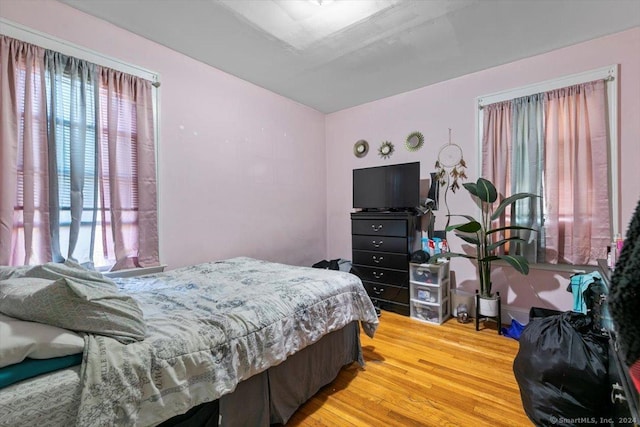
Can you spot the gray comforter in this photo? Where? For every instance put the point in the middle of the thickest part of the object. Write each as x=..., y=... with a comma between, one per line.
x=209, y=327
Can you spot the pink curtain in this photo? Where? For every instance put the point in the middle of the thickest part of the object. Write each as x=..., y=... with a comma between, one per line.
x=496, y=152
x=24, y=208
x=127, y=151
x=126, y=203
x=577, y=220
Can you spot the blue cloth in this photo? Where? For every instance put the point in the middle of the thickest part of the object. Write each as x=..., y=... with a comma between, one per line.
x=514, y=330
x=579, y=284
x=33, y=367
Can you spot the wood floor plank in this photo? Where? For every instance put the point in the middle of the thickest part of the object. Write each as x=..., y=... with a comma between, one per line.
x=420, y=374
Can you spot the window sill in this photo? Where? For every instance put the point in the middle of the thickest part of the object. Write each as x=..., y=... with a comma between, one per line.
x=132, y=272
x=561, y=268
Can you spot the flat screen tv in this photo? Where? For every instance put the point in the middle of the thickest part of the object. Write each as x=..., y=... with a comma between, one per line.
x=393, y=187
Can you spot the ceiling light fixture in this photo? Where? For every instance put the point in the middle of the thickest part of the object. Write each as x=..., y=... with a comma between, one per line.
x=320, y=2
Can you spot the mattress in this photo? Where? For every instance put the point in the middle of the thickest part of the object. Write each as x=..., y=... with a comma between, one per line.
x=49, y=400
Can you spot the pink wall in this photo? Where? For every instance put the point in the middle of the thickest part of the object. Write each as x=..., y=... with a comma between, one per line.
x=451, y=104
x=241, y=169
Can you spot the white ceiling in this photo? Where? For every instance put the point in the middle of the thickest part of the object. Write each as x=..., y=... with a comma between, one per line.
x=348, y=52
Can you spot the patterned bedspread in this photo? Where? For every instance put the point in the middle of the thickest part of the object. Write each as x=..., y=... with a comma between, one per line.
x=209, y=327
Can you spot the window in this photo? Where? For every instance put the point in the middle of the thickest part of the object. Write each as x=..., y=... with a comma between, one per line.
x=557, y=139
x=81, y=166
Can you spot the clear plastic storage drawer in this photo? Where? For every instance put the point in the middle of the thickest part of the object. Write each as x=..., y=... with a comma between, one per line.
x=429, y=273
x=427, y=312
x=427, y=293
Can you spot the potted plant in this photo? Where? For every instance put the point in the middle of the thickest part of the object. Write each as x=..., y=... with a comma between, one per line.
x=485, y=238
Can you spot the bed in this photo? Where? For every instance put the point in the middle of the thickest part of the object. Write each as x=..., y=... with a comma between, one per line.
x=218, y=335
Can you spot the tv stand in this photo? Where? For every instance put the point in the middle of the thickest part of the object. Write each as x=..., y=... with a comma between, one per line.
x=382, y=244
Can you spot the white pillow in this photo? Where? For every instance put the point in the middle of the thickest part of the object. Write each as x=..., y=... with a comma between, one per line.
x=20, y=339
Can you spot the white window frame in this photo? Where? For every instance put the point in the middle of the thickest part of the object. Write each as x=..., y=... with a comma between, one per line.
x=610, y=75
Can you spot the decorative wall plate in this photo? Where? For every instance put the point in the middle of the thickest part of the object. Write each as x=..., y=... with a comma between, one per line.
x=414, y=141
x=361, y=148
x=386, y=149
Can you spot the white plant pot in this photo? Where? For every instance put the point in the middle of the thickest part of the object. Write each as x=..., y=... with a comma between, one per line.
x=488, y=307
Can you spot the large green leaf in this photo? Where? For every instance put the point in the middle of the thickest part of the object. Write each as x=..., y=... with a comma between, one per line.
x=489, y=258
x=469, y=238
x=468, y=217
x=497, y=244
x=468, y=227
x=487, y=193
x=517, y=261
x=508, y=201
x=510, y=227
x=471, y=188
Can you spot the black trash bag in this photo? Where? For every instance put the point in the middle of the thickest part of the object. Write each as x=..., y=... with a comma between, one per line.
x=561, y=369
x=327, y=265
x=540, y=312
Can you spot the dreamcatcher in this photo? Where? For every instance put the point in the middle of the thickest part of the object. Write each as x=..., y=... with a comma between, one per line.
x=450, y=167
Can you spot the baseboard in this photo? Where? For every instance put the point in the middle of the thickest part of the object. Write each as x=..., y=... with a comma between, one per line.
x=507, y=312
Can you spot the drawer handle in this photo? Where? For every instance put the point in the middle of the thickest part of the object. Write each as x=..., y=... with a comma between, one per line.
x=377, y=260
x=377, y=245
x=378, y=291
x=616, y=396
x=376, y=228
x=377, y=275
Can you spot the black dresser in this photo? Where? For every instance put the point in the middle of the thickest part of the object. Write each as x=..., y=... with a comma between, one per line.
x=382, y=243
x=624, y=396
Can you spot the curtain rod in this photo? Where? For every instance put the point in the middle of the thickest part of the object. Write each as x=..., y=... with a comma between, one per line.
x=47, y=41
x=608, y=78
x=607, y=73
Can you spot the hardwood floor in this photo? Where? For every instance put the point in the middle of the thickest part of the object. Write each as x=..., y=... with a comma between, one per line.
x=419, y=374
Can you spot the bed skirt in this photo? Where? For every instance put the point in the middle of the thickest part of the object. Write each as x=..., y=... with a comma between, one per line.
x=273, y=396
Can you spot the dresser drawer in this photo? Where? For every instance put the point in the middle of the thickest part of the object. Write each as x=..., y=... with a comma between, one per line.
x=380, y=243
x=387, y=292
x=381, y=275
x=379, y=227
x=381, y=259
